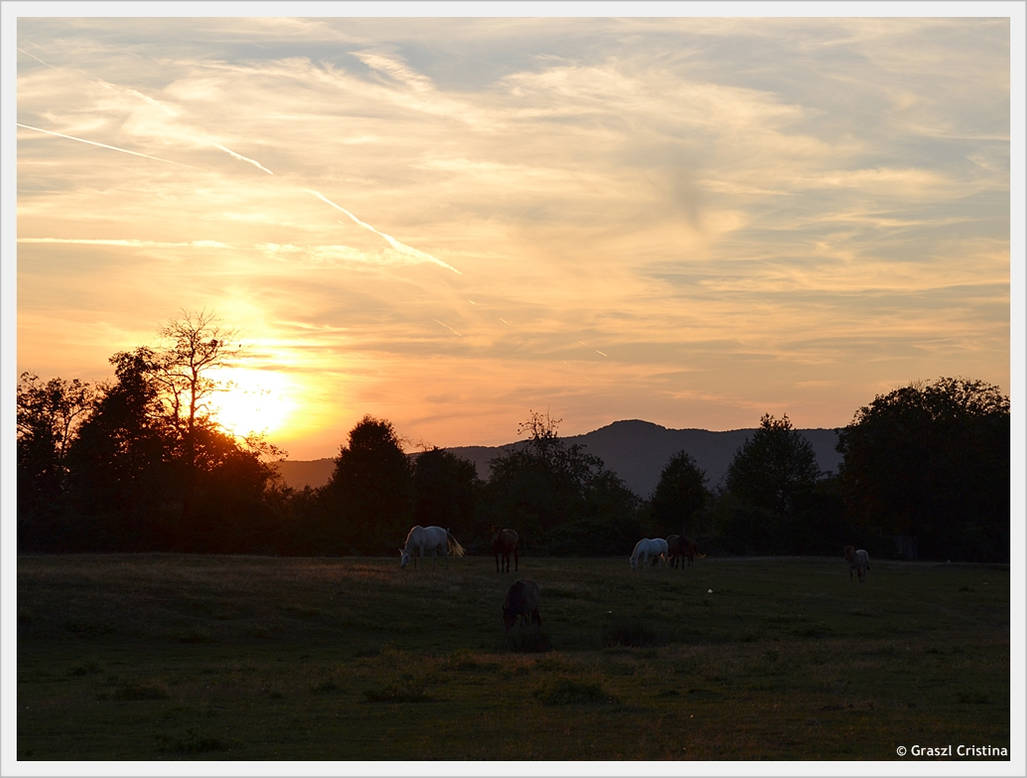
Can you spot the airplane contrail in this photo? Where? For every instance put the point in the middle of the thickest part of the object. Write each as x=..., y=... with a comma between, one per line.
x=37, y=59
x=398, y=245
x=102, y=145
x=151, y=101
x=244, y=159
x=443, y=324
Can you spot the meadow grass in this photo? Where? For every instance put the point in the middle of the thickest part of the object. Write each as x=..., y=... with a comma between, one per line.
x=158, y=657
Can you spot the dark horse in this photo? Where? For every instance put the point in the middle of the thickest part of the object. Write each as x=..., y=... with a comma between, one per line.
x=504, y=543
x=680, y=548
x=521, y=603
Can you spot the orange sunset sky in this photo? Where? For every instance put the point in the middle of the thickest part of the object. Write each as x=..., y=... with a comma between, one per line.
x=448, y=222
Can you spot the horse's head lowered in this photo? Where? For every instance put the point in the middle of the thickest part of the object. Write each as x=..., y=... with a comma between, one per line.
x=404, y=558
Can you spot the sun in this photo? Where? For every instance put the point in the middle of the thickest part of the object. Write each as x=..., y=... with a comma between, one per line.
x=253, y=401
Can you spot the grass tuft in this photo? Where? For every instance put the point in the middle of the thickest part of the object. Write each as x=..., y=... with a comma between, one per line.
x=190, y=743
x=396, y=693
x=566, y=691
x=529, y=642
x=630, y=633
x=325, y=687
x=131, y=692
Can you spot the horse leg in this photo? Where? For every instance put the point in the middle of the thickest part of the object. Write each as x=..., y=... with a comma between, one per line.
x=516, y=563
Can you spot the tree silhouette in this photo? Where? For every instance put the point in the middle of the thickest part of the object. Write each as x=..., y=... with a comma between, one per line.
x=775, y=465
x=444, y=488
x=680, y=494
x=370, y=491
x=557, y=495
x=146, y=465
x=122, y=479
x=198, y=344
x=48, y=417
x=931, y=461
x=768, y=484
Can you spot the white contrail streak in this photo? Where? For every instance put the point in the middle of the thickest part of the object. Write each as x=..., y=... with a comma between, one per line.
x=37, y=59
x=102, y=145
x=399, y=246
x=443, y=324
x=147, y=99
x=244, y=159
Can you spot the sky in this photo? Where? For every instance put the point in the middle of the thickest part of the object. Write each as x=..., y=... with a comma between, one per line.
x=452, y=222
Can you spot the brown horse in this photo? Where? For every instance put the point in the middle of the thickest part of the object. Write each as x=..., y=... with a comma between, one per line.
x=504, y=543
x=680, y=548
x=521, y=602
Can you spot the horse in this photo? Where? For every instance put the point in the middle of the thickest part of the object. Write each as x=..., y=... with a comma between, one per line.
x=504, y=543
x=651, y=550
x=859, y=562
x=521, y=602
x=679, y=546
x=433, y=540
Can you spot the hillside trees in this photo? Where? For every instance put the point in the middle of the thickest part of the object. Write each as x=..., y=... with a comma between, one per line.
x=560, y=498
x=931, y=461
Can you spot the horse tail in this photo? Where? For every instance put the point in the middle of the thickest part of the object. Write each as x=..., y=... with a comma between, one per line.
x=454, y=546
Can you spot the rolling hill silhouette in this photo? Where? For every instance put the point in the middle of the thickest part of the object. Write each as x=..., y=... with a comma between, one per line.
x=635, y=450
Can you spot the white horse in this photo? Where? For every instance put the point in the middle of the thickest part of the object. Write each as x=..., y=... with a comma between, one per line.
x=859, y=562
x=648, y=550
x=432, y=540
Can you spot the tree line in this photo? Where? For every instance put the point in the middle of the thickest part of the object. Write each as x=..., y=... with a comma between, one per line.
x=141, y=464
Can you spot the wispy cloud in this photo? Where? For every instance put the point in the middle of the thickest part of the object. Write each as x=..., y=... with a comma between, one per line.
x=686, y=218
x=127, y=243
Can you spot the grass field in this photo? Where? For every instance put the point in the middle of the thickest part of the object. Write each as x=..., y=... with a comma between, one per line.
x=165, y=657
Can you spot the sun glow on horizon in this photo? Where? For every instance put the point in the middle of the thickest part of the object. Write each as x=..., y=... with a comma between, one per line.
x=254, y=401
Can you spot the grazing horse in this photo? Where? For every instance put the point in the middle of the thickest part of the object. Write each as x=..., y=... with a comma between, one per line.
x=859, y=562
x=432, y=540
x=521, y=602
x=504, y=543
x=680, y=548
x=651, y=550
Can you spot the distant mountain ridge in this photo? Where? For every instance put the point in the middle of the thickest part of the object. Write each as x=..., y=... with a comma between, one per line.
x=635, y=450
